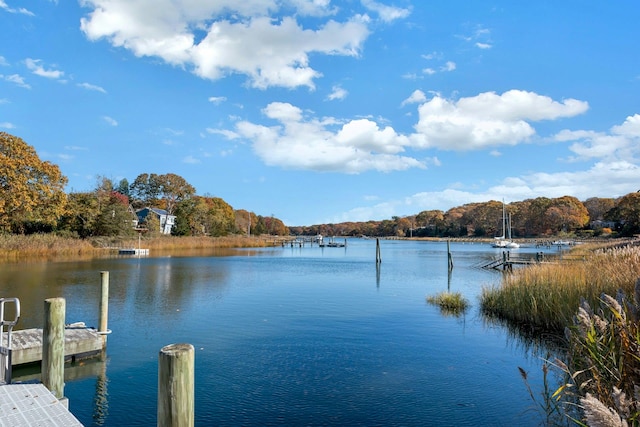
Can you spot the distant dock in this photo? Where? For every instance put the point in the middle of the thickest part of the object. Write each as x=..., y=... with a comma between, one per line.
x=133, y=251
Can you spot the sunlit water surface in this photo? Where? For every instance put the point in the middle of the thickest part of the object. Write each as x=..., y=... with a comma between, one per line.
x=293, y=336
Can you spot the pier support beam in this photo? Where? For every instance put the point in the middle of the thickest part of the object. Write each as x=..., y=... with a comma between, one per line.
x=53, y=346
x=176, y=403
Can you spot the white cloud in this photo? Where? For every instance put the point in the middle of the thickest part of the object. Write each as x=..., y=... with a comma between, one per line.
x=7, y=125
x=239, y=37
x=21, y=10
x=429, y=71
x=89, y=86
x=488, y=119
x=3, y=62
x=386, y=13
x=337, y=92
x=16, y=79
x=483, y=45
x=621, y=143
x=448, y=66
x=298, y=142
x=37, y=69
x=226, y=133
x=217, y=99
x=110, y=120
x=416, y=97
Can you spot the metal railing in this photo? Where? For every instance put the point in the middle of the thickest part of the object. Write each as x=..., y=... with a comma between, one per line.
x=5, y=351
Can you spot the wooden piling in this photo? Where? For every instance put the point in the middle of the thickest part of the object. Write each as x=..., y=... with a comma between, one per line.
x=378, y=256
x=53, y=346
x=449, y=257
x=176, y=403
x=104, y=306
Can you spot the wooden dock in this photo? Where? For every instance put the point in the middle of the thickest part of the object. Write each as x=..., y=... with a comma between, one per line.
x=506, y=261
x=79, y=342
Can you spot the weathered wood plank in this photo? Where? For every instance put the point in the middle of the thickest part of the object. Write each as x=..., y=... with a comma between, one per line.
x=78, y=342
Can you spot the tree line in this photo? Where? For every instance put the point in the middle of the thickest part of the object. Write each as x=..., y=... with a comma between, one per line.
x=532, y=218
x=33, y=200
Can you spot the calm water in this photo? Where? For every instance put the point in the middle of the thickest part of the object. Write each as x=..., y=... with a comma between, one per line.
x=292, y=336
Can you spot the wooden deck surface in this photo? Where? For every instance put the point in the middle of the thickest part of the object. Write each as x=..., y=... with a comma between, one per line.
x=79, y=342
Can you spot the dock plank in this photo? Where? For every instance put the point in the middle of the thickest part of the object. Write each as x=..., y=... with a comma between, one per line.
x=78, y=342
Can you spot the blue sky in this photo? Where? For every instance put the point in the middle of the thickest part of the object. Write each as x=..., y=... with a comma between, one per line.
x=319, y=111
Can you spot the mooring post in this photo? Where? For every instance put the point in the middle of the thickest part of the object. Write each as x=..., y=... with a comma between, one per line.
x=53, y=346
x=378, y=256
x=176, y=403
x=449, y=257
x=104, y=306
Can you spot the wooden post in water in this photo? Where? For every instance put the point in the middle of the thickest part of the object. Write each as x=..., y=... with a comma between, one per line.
x=53, y=346
x=176, y=401
x=104, y=306
x=449, y=257
x=378, y=256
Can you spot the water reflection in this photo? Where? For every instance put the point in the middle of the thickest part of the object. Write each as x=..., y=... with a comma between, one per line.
x=293, y=336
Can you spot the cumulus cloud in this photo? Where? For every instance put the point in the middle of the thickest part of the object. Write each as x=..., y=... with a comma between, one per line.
x=337, y=92
x=7, y=125
x=39, y=70
x=215, y=39
x=417, y=96
x=386, y=13
x=301, y=142
x=622, y=142
x=488, y=119
x=297, y=139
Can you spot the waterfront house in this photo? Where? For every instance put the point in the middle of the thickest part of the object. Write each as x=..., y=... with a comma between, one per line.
x=166, y=220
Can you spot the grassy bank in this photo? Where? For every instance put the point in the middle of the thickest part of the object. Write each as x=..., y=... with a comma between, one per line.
x=19, y=247
x=546, y=296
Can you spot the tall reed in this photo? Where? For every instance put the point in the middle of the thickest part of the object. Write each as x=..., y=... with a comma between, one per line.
x=544, y=296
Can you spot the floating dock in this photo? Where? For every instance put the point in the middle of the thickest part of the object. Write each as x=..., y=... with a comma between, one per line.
x=79, y=342
x=27, y=405
x=133, y=251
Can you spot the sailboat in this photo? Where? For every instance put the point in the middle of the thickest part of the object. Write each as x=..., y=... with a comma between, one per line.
x=503, y=241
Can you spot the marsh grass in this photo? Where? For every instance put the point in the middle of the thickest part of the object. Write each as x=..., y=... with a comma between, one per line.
x=51, y=246
x=544, y=297
x=449, y=302
x=14, y=246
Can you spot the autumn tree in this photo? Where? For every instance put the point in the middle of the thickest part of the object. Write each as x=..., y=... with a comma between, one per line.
x=80, y=214
x=628, y=214
x=598, y=207
x=160, y=191
x=32, y=194
x=114, y=218
x=566, y=214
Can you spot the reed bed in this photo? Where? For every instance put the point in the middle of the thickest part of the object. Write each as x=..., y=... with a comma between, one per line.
x=449, y=302
x=545, y=297
x=51, y=246
x=179, y=242
x=14, y=246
